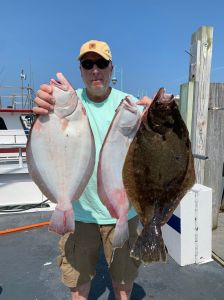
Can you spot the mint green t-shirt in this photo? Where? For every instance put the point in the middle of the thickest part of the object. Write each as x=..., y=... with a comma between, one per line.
x=89, y=208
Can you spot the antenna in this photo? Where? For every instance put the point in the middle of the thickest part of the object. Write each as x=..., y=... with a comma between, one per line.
x=22, y=77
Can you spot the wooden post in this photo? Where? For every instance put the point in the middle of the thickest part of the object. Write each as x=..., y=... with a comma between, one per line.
x=222, y=204
x=200, y=66
x=215, y=148
x=186, y=103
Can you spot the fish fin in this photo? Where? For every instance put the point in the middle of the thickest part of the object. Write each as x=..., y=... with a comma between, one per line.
x=121, y=233
x=62, y=79
x=62, y=221
x=149, y=246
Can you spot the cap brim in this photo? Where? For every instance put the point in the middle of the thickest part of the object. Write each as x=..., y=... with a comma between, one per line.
x=104, y=56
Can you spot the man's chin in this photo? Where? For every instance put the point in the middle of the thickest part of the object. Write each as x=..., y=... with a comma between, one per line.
x=98, y=89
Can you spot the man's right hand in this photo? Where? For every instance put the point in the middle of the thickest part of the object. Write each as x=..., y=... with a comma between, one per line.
x=44, y=100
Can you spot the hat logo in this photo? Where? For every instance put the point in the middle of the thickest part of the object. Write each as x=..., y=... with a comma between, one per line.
x=92, y=46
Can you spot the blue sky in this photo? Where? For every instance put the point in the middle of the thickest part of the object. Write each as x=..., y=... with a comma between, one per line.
x=148, y=39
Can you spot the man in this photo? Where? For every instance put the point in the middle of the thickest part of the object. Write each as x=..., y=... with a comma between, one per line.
x=79, y=251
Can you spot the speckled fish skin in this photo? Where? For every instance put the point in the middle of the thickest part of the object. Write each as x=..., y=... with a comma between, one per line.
x=61, y=153
x=158, y=171
x=109, y=174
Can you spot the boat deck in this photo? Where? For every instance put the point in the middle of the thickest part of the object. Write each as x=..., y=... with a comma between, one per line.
x=29, y=271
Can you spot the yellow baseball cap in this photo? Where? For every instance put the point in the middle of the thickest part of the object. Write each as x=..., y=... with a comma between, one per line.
x=98, y=47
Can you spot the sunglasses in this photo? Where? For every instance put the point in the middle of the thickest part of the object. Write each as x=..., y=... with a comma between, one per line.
x=101, y=63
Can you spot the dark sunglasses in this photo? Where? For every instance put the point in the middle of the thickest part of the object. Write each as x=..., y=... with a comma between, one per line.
x=101, y=63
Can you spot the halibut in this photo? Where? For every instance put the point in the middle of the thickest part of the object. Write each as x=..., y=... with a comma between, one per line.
x=109, y=174
x=61, y=153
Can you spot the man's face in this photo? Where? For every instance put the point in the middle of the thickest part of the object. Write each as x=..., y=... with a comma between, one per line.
x=96, y=80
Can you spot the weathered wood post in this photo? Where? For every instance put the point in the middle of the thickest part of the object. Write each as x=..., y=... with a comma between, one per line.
x=215, y=147
x=186, y=103
x=222, y=204
x=199, y=73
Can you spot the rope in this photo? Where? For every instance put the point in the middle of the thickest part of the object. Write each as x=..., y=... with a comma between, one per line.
x=24, y=227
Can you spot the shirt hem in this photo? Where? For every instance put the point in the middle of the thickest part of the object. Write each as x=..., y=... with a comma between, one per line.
x=102, y=222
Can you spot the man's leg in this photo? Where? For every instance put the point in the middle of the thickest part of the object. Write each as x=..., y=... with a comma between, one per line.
x=81, y=292
x=122, y=291
x=78, y=257
x=123, y=269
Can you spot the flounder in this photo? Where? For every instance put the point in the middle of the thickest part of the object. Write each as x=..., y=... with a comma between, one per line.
x=109, y=174
x=157, y=173
x=61, y=153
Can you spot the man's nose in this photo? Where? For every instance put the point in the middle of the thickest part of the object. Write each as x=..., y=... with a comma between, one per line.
x=95, y=69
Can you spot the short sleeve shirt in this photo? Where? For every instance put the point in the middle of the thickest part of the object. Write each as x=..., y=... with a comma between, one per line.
x=89, y=208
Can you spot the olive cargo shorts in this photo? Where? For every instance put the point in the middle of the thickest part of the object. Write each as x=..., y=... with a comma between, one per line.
x=80, y=252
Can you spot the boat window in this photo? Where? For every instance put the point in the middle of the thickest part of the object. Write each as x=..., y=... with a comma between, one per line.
x=2, y=124
x=27, y=121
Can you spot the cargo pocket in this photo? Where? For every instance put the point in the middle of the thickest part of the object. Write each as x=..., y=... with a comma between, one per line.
x=61, y=247
x=65, y=260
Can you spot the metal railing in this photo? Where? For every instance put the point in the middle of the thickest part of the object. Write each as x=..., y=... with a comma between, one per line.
x=12, y=136
x=15, y=100
x=17, y=159
x=12, y=147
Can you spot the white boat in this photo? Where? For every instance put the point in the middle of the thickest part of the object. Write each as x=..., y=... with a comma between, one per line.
x=17, y=190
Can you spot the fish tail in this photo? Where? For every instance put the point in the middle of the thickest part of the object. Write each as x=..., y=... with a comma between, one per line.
x=62, y=221
x=121, y=233
x=149, y=246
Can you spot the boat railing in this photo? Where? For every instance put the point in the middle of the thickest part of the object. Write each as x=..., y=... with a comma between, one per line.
x=15, y=100
x=12, y=148
x=12, y=136
x=9, y=157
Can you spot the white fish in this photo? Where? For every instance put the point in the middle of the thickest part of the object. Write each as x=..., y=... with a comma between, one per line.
x=61, y=153
x=109, y=174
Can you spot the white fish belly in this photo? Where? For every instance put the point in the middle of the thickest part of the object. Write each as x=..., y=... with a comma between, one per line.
x=63, y=153
x=111, y=187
